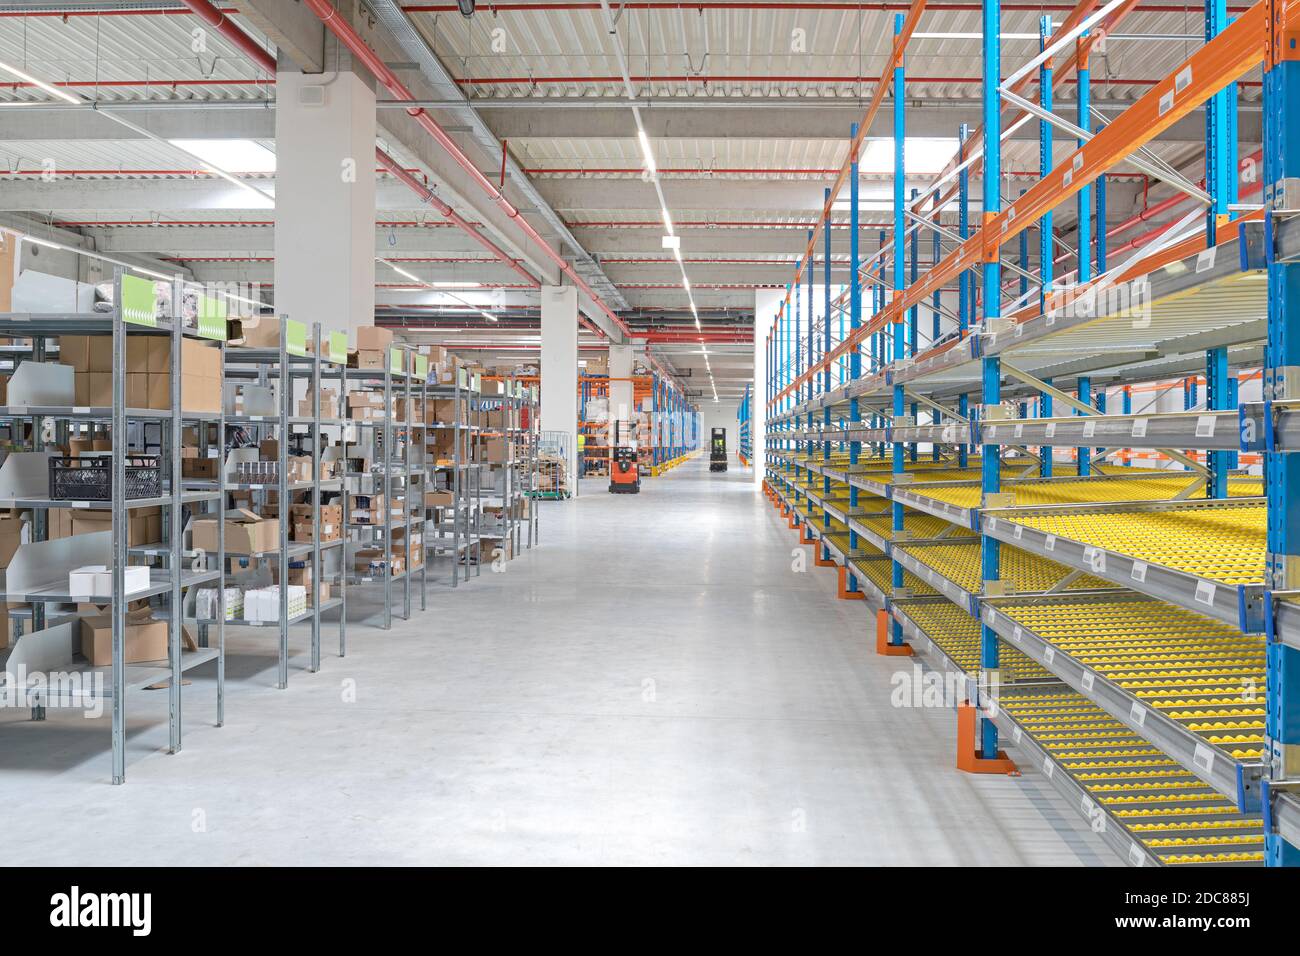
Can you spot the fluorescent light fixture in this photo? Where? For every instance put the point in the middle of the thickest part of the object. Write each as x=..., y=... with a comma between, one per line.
x=233, y=155
x=40, y=84
x=646, y=151
x=456, y=285
x=668, y=221
x=921, y=154
x=42, y=242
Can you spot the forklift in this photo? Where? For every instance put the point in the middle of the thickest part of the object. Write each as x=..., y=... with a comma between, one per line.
x=718, y=450
x=624, y=472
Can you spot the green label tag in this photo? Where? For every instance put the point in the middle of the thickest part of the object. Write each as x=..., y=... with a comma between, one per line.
x=295, y=337
x=422, y=367
x=138, y=305
x=212, y=318
x=461, y=378
x=478, y=382
x=339, y=348
x=395, y=360
x=532, y=393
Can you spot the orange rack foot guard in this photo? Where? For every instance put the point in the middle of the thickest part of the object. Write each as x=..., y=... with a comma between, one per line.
x=844, y=594
x=821, y=562
x=805, y=534
x=967, y=759
x=883, y=647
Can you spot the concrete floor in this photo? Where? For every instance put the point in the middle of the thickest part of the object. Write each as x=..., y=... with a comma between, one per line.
x=652, y=685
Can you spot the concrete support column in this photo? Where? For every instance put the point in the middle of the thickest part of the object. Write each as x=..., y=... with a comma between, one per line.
x=325, y=200
x=559, y=395
x=620, y=388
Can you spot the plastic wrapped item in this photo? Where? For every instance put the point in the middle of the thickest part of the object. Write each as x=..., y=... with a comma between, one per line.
x=206, y=607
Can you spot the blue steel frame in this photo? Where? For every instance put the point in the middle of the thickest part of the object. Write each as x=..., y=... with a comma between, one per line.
x=991, y=466
x=900, y=283
x=1282, y=471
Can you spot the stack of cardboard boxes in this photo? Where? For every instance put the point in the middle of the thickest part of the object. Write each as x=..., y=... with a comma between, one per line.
x=331, y=522
x=372, y=348
x=148, y=372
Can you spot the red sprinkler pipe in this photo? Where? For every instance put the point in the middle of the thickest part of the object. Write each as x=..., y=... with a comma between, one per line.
x=352, y=40
x=210, y=15
x=227, y=28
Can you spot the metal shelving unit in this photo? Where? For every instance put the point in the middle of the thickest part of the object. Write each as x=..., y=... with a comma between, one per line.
x=302, y=358
x=38, y=574
x=388, y=473
x=462, y=470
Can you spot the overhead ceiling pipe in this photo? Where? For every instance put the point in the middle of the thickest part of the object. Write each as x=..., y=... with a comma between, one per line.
x=210, y=15
x=352, y=40
x=228, y=29
x=427, y=195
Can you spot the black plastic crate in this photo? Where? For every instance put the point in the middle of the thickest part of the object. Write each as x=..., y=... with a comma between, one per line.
x=91, y=479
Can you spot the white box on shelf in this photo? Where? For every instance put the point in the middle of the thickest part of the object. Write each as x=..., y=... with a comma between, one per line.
x=97, y=580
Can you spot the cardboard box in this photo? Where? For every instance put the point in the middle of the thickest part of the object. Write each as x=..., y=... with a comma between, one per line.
x=373, y=338
x=438, y=499
x=144, y=640
x=12, y=528
x=93, y=389
x=369, y=359
x=204, y=469
x=246, y=532
x=140, y=528
x=494, y=450
x=137, y=390
x=97, y=579
x=260, y=332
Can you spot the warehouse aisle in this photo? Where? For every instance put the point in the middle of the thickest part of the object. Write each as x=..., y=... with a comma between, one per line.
x=656, y=684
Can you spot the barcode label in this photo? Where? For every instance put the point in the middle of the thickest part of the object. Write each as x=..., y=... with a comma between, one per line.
x=1089, y=428
x=1050, y=430
x=1138, y=714
x=1088, y=678
x=1139, y=571
x=1205, y=592
x=1203, y=757
x=1049, y=543
x=1139, y=427
x=1049, y=654
x=1205, y=426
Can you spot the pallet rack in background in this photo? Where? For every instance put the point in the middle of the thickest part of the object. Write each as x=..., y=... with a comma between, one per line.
x=745, y=444
x=38, y=573
x=1172, y=671
x=295, y=371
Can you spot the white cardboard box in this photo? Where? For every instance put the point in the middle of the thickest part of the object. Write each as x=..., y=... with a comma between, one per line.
x=97, y=580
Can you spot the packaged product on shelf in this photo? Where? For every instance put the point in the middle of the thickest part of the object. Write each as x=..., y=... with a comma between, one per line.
x=143, y=525
x=206, y=603
x=368, y=359
x=263, y=604
x=373, y=337
x=300, y=575
x=246, y=532
x=200, y=469
x=97, y=580
x=144, y=640
x=367, y=509
x=438, y=499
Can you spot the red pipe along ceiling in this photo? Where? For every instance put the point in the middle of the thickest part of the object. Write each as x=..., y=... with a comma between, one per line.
x=349, y=38
x=216, y=19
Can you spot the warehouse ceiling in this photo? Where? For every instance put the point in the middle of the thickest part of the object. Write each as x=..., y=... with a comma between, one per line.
x=746, y=106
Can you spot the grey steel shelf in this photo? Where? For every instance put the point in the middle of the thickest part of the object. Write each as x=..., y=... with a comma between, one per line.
x=1207, y=430
x=137, y=677
x=160, y=582
x=1241, y=605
